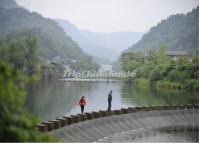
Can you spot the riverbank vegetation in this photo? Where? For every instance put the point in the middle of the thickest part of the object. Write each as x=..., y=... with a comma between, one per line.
x=22, y=63
x=29, y=46
x=22, y=54
x=157, y=69
x=17, y=124
x=53, y=43
x=19, y=65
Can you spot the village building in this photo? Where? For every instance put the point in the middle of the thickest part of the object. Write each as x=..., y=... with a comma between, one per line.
x=177, y=54
x=105, y=68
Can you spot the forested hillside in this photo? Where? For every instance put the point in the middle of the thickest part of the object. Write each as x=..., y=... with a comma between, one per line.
x=16, y=22
x=178, y=32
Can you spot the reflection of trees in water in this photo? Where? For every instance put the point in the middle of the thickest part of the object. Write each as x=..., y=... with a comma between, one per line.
x=150, y=96
x=139, y=96
x=54, y=99
x=179, y=97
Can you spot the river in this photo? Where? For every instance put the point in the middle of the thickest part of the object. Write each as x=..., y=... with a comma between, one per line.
x=52, y=100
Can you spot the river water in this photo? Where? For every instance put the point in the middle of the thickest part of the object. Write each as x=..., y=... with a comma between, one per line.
x=52, y=100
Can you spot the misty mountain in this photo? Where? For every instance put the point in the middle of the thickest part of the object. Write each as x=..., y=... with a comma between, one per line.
x=177, y=32
x=101, y=45
x=16, y=22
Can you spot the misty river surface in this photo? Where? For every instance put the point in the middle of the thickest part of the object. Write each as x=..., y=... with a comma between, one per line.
x=56, y=99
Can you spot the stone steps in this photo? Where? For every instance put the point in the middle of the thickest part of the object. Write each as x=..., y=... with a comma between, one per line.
x=61, y=122
x=93, y=130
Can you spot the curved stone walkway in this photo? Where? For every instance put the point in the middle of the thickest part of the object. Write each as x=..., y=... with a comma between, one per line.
x=101, y=128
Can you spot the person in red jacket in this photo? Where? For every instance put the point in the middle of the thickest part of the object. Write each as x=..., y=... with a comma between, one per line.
x=82, y=103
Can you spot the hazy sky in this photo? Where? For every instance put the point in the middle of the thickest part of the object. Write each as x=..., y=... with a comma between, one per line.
x=110, y=15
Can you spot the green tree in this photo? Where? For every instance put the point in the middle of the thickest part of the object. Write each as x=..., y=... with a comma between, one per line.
x=17, y=52
x=16, y=123
x=31, y=57
x=153, y=56
x=162, y=71
x=3, y=52
x=85, y=63
x=162, y=58
x=132, y=61
x=155, y=75
x=22, y=54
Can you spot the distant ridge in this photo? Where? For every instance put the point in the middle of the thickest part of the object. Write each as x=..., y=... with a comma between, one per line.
x=18, y=22
x=101, y=45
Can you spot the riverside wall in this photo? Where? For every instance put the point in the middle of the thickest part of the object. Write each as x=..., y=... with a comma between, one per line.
x=74, y=119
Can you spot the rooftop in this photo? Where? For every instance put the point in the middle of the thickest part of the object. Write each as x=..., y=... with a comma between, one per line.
x=176, y=53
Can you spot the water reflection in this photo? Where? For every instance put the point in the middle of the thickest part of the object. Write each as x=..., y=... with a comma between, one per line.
x=56, y=99
x=51, y=100
x=150, y=96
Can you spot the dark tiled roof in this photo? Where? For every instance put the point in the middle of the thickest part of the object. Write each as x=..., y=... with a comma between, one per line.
x=177, y=53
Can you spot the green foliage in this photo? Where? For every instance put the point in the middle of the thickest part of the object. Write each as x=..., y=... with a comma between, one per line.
x=153, y=55
x=18, y=23
x=185, y=84
x=21, y=54
x=85, y=64
x=145, y=70
x=132, y=61
x=142, y=82
x=47, y=39
x=16, y=123
x=17, y=55
x=169, y=84
x=3, y=52
x=155, y=75
x=162, y=71
x=31, y=45
x=179, y=31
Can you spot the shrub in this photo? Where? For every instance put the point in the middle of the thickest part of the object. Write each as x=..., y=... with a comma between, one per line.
x=142, y=82
x=155, y=75
x=16, y=124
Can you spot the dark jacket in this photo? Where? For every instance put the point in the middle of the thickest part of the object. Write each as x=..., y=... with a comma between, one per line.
x=109, y=97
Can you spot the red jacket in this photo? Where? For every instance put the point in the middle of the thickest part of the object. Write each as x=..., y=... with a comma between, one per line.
x=82, y=101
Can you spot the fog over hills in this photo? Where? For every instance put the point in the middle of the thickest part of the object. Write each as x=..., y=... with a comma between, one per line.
x=17, y=22
x=177, y=32
x=100, y=45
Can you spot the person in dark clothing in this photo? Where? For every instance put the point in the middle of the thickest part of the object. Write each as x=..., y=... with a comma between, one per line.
x=82, y=103
x=109, y=100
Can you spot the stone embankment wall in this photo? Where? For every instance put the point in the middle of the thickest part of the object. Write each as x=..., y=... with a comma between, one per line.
x=73, y=119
